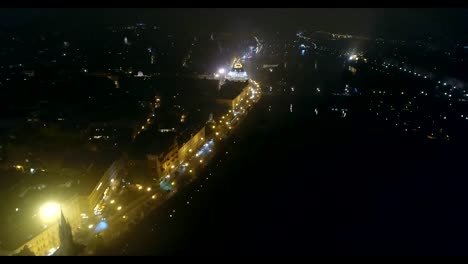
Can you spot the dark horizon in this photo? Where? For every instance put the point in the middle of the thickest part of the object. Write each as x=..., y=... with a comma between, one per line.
x=399, y=23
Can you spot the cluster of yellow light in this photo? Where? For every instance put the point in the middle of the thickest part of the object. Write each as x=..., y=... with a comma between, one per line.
x=50, y=211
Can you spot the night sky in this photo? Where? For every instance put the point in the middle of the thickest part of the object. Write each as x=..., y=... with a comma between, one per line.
x=397, y=23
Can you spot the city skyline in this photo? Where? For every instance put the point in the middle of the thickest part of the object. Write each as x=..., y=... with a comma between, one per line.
x=233, y=131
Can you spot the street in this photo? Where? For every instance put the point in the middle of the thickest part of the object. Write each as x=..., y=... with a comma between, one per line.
x=110, y=224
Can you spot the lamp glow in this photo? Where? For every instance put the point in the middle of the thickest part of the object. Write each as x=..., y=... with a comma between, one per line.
x=50, y=211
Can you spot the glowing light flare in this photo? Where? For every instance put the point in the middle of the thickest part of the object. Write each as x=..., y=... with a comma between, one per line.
x=101, y=226
x=49, y=211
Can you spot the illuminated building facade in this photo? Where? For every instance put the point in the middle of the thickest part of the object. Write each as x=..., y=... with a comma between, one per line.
x=237, y=74
x=161, y=164
x=50, y=239
x=191, y=145
x=232, y=94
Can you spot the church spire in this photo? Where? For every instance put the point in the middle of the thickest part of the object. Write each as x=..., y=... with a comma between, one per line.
x=67, y=245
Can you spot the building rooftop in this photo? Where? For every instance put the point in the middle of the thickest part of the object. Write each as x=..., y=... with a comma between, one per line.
x=231, y=90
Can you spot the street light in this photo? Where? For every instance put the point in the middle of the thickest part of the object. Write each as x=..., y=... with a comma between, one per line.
x=50, y=211
x=221, y=71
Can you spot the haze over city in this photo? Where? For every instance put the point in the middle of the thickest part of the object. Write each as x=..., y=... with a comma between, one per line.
x=241, y=131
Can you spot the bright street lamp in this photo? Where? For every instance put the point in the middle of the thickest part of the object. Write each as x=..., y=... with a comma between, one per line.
x=221, y=71
x=50, y=211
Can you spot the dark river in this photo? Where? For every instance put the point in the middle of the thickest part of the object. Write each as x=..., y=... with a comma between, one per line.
x=315, y=172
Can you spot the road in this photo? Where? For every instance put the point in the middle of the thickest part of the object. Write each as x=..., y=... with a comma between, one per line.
x=147, y=199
